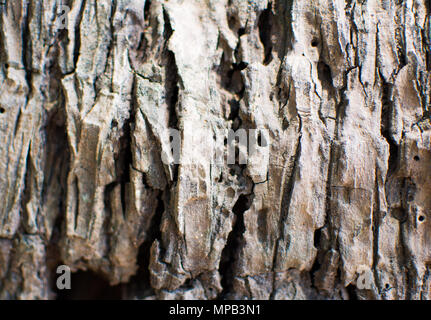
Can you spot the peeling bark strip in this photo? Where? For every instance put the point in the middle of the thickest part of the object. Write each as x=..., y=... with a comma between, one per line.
x=332, y=202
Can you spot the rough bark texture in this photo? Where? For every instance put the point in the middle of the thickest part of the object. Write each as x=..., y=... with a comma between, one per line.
x=343, y=88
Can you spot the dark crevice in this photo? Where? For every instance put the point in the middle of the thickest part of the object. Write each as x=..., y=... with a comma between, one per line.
x=243, y=204
x=284, y=33
x=140, y=283
x=234, y=109
x=231, y=250
x=110, y=55
x=317, y=241
x=351, y=290
x=124, y=160
x=235, y=82
x=328, y=199
x=147, y=8
x=223, y=71
x=77, y=196
x=55, y=181
x=231, y=78
x=317, y=238
x=230, y=73
x=77, y=45
x=400, y=214
x=387, y=109
x=393, y=154
x=125, y=179
x=17, y=122
x=27, y=50
x=376, y=220
x=265, y=23
x=172, y=88
x=26, y=193
x=167, y=33
x=400, y=35
x=239, y=66
x=172, y=83
x=314, y=269
x=325, y=76
x=107, y=194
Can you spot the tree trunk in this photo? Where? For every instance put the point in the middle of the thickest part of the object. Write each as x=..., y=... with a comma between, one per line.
x=329, y=199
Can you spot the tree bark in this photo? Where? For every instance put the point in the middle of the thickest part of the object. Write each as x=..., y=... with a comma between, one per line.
x=341, y=208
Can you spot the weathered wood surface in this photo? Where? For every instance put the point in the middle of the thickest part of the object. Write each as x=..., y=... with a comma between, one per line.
x=343, y=88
